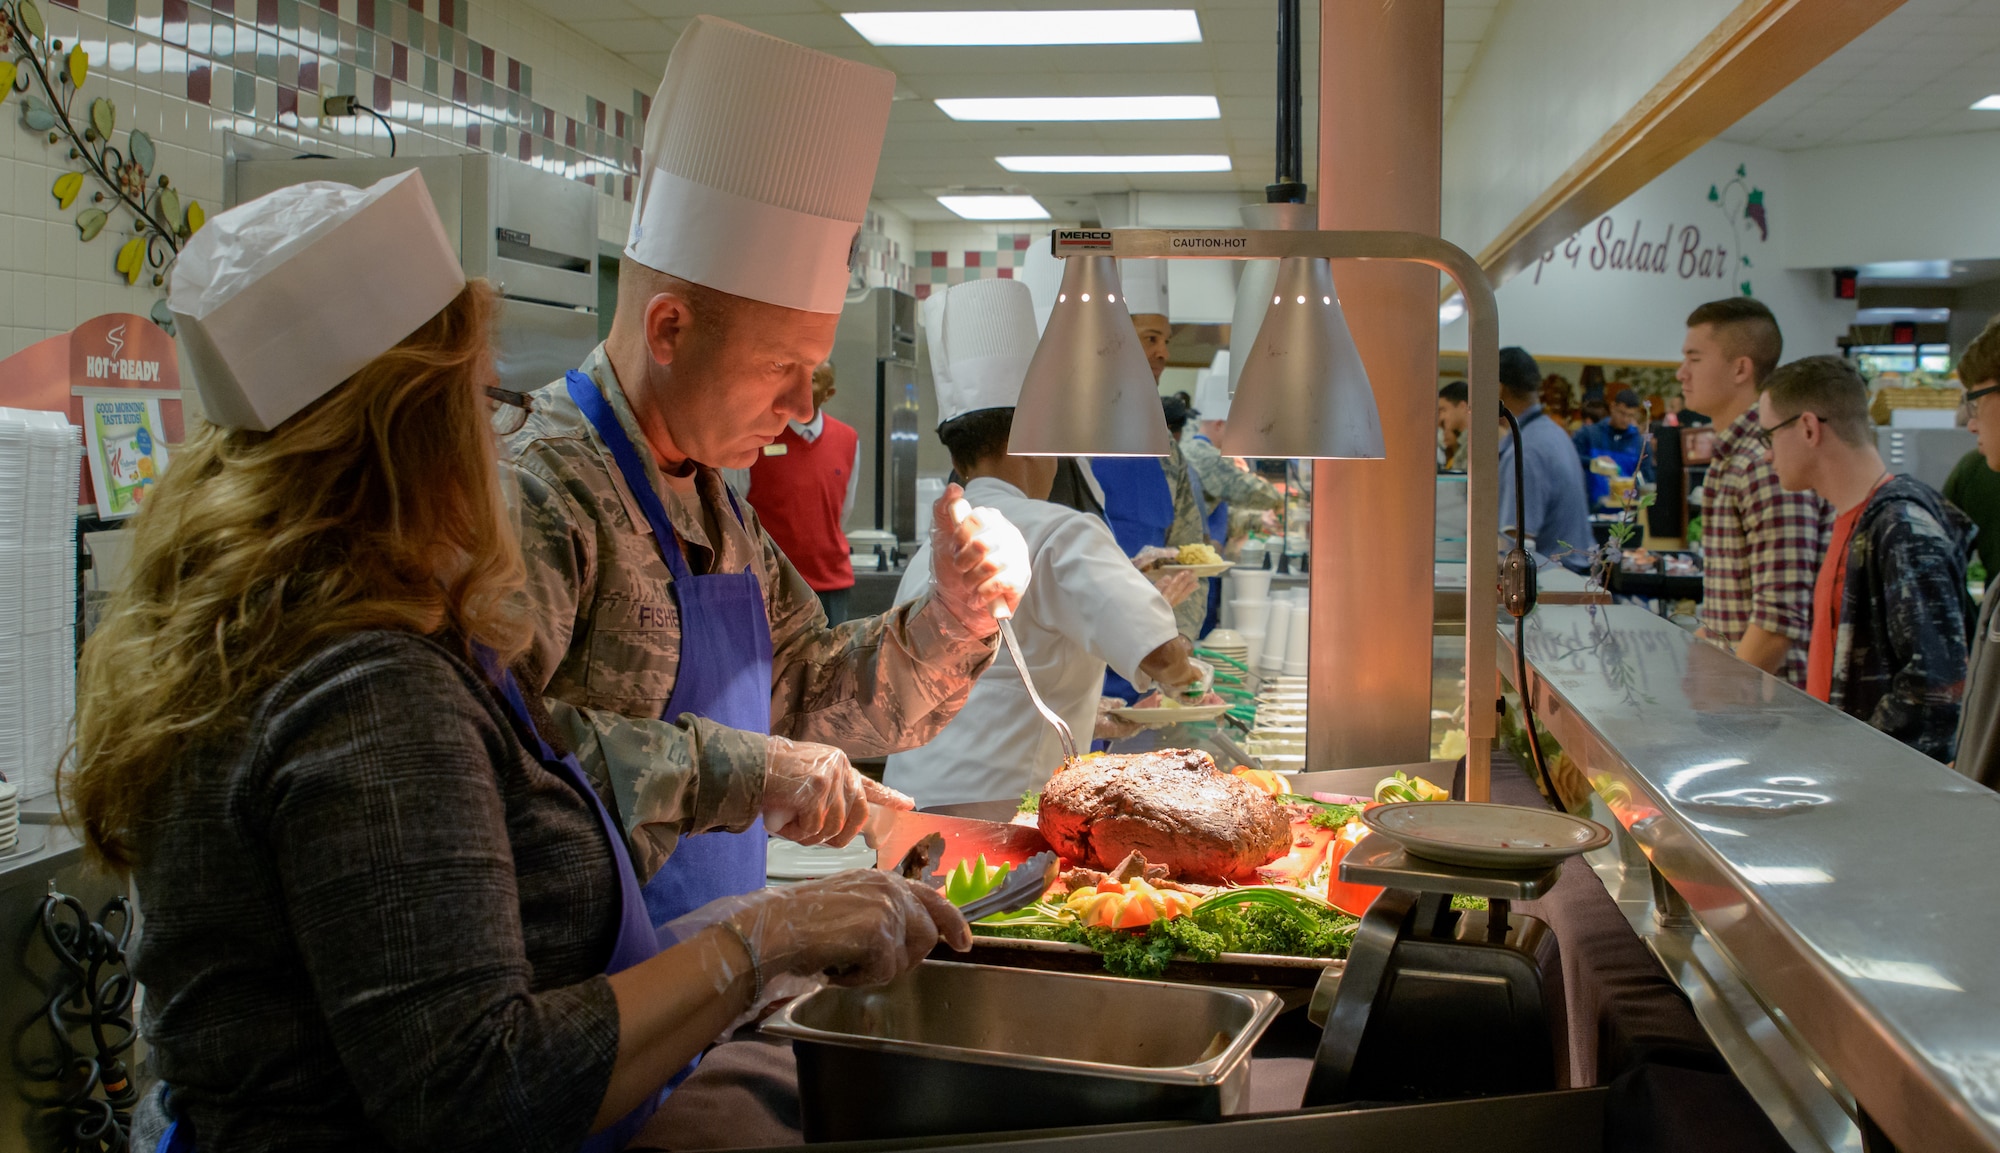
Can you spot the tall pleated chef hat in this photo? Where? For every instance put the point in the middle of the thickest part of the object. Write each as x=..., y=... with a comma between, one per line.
x=758, y=160
x=1145, y=283
x=981, y=335
x=1042, y=273
x=1211, y=393
x=279, y=300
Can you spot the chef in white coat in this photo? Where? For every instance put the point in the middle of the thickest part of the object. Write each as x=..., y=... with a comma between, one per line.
x=1086, y=606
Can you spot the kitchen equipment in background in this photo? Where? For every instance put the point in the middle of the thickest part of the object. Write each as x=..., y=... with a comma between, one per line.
x=902, y=487
x=872, y=549
x=955, y=1048
x=875, y=378
x=1929, y=454
x=531, y=233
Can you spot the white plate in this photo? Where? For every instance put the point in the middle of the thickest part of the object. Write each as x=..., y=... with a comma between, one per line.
x=785, y=861
x=1485, y=836
x=1160, y=718
x=1200, y=570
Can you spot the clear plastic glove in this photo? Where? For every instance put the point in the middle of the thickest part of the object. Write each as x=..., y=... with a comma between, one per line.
x=861, y=927
x=1204, y=679
x=979, y=562
x=1175, y=586
x=815, y=796
x=1110, y=728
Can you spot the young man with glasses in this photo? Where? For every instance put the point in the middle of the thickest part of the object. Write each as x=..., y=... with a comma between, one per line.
x=1889, y=607
x=1978, y=746
x=1760, y=544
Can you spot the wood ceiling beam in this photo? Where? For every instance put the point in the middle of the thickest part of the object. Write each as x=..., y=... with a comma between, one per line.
x=1751, y=56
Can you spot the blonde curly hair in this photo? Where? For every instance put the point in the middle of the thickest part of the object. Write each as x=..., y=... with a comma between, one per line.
x=377, y=507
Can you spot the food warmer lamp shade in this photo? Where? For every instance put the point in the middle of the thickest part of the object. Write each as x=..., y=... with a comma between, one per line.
x=1089, y=390
x=1303, y=391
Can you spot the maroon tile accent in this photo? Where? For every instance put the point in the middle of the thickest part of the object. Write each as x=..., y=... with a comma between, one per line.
x=618, y=125
x=267, y=13
x=458, y=86
x=447, y=13
x=485, y=63
x=569, y=133
x=635, y=158
x=1006, y=273
x=597, y=113
x=382, y=94
x=513, y=74
x=591, y=180
x=628, y=190
x=1022, y=241
x=198, y=80
x=417, y=6
x=223, y=7
x=527, y=147
x=923, y=291
x=645, y=107
x=288, y=101
x=548, y=116
x=364, y=13
x=332, y=6
x=173, y=22
x=70, y=4
x=399, y=62
x=937, y=258
x=972, y=259
x=472, y=134
x=308, y=72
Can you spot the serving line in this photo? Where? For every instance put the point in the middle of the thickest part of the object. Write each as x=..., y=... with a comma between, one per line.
x=1803, y=862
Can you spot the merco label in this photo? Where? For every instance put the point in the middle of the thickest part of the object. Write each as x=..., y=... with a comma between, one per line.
x=1082, y=238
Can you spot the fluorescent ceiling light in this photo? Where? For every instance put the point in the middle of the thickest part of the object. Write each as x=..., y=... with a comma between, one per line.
x=995, y=207
x=1082, y=108
x=986, y=29
x=1987, y=104
x=1188, y=163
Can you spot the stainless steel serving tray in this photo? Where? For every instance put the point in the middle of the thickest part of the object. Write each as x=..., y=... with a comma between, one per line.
x=1289, y=976
x=956, y=1048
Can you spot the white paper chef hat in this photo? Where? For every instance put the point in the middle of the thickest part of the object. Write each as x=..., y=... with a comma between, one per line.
x=981, y=335
x=1211, y=393
x=279, y=300
x=758, y=161
x=1042, y=272
x=1145, y=283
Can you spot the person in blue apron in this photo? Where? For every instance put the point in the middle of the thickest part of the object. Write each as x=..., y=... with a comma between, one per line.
x=1621, y=438
x=384, y=907
x=683, y=657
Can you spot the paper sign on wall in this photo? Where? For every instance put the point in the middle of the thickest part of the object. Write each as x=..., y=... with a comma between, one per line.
x=126, y=447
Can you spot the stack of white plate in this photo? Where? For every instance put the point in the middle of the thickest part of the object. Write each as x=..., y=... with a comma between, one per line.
x=1229, y=643
x=10, y=817
x=39, y=457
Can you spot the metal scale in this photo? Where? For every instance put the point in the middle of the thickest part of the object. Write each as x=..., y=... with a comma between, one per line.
x=1436, y=1002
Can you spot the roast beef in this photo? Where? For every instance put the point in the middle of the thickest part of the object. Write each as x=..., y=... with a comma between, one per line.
x=1172, y=805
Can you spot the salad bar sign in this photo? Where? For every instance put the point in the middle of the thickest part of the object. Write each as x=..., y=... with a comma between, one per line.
x=1684, y=251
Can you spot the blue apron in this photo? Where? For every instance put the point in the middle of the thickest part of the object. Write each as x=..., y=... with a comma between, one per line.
x=1216, y=523
x=636, y=941
x=724, y=675
x=1138, y=503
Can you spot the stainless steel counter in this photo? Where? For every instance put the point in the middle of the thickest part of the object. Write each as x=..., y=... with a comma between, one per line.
x=1822, y=874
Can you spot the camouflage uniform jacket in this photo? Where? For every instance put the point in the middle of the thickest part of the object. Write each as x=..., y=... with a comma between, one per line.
x=1222, y=480
x=607, y=636
x=1188, y=528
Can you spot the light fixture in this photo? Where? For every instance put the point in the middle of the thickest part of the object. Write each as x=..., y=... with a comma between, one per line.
x=1987, y=103
x=1081, y=108
x=1452, y=308
x=1188, y=163
x=987, y=29
x=995, y=207
x=1303, y=391
x=1089, y=390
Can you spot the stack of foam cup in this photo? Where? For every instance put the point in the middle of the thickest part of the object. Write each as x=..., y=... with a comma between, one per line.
x=1277, y=635
x=1250, y=608
x=1298, y=642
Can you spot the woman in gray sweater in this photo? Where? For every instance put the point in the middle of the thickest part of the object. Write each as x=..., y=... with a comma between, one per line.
x=382, y=912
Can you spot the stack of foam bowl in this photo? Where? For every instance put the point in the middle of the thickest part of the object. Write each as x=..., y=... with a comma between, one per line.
x=1229, y=643
x=10, y=817
x=1252, y=556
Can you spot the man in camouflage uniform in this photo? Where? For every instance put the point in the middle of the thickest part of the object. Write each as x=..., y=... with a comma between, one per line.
x=706, y=363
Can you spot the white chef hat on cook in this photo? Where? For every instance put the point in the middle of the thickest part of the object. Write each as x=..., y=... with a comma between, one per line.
x=758, y=160
x=1145, y=284
x=279, y=300
x=1211, y=392
x=981, y=335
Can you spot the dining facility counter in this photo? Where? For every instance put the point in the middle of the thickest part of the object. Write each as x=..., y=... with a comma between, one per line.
x=1822, y=892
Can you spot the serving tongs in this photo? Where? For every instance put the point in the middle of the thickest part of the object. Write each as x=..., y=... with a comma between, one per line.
x=1023, y=887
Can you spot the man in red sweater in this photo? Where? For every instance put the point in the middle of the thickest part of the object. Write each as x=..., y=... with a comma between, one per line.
x=802, y=487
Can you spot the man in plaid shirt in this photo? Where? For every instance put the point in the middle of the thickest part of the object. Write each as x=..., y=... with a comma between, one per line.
x=1761, y=545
